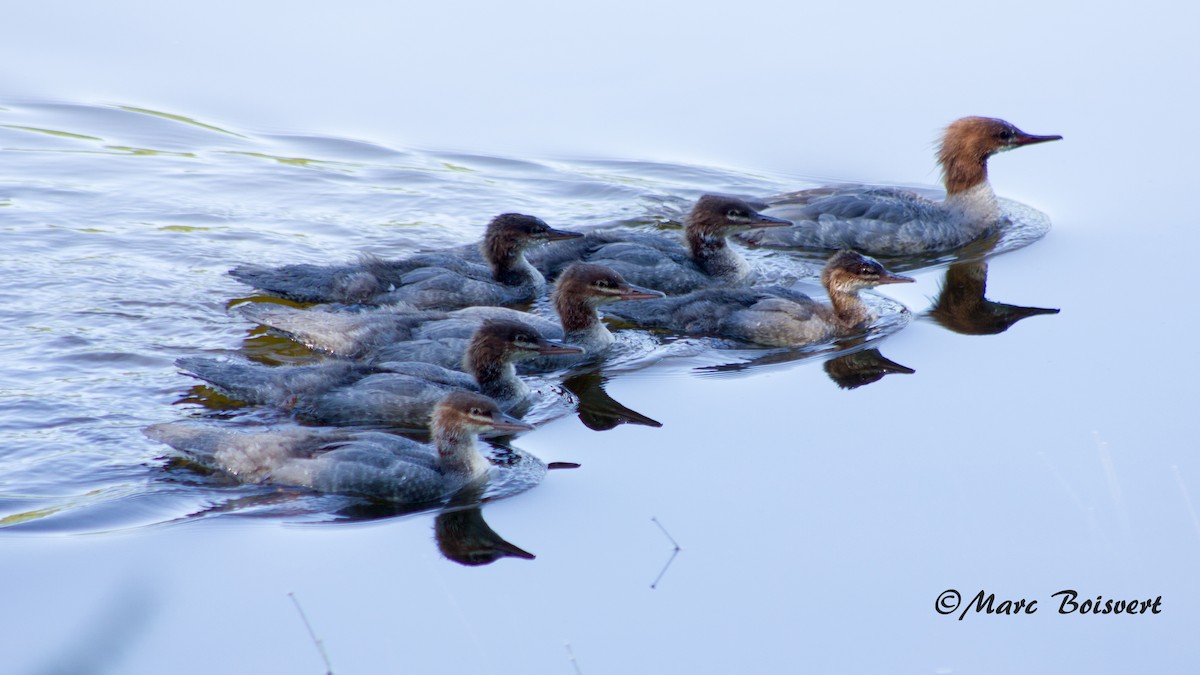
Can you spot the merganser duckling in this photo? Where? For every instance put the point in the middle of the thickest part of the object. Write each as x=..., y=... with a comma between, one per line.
x=776, y=317
x=891, y=221
x=396, y=394
x=439, y=337
x=373, y=464
x=705, y=259
x=961, y=305
x=427, y=281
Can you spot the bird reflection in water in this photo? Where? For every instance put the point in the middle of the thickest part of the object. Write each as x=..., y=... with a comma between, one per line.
x=599, y=411
x=856, y=369
x=465, y=537
x=849, y=367
x=961, y=306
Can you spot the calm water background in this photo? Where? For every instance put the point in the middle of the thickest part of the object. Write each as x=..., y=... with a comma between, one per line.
x=818, y=524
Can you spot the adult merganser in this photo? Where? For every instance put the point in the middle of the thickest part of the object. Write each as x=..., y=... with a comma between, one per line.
x=705, y=259
x=427, y=281
x=891, y=221
x=397, y=394
x=776, y=317
x=369, y=463
x=439, y=337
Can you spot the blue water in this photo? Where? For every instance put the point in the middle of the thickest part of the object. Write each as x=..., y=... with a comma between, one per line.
x=818, y=522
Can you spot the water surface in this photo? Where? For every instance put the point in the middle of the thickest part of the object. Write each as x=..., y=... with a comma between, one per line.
x=820, y=512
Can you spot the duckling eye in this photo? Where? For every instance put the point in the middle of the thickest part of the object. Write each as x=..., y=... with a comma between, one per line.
x=476, y=411
x=1006, y=135
x=604, y=283
x=866, y=270
x=735, y=213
